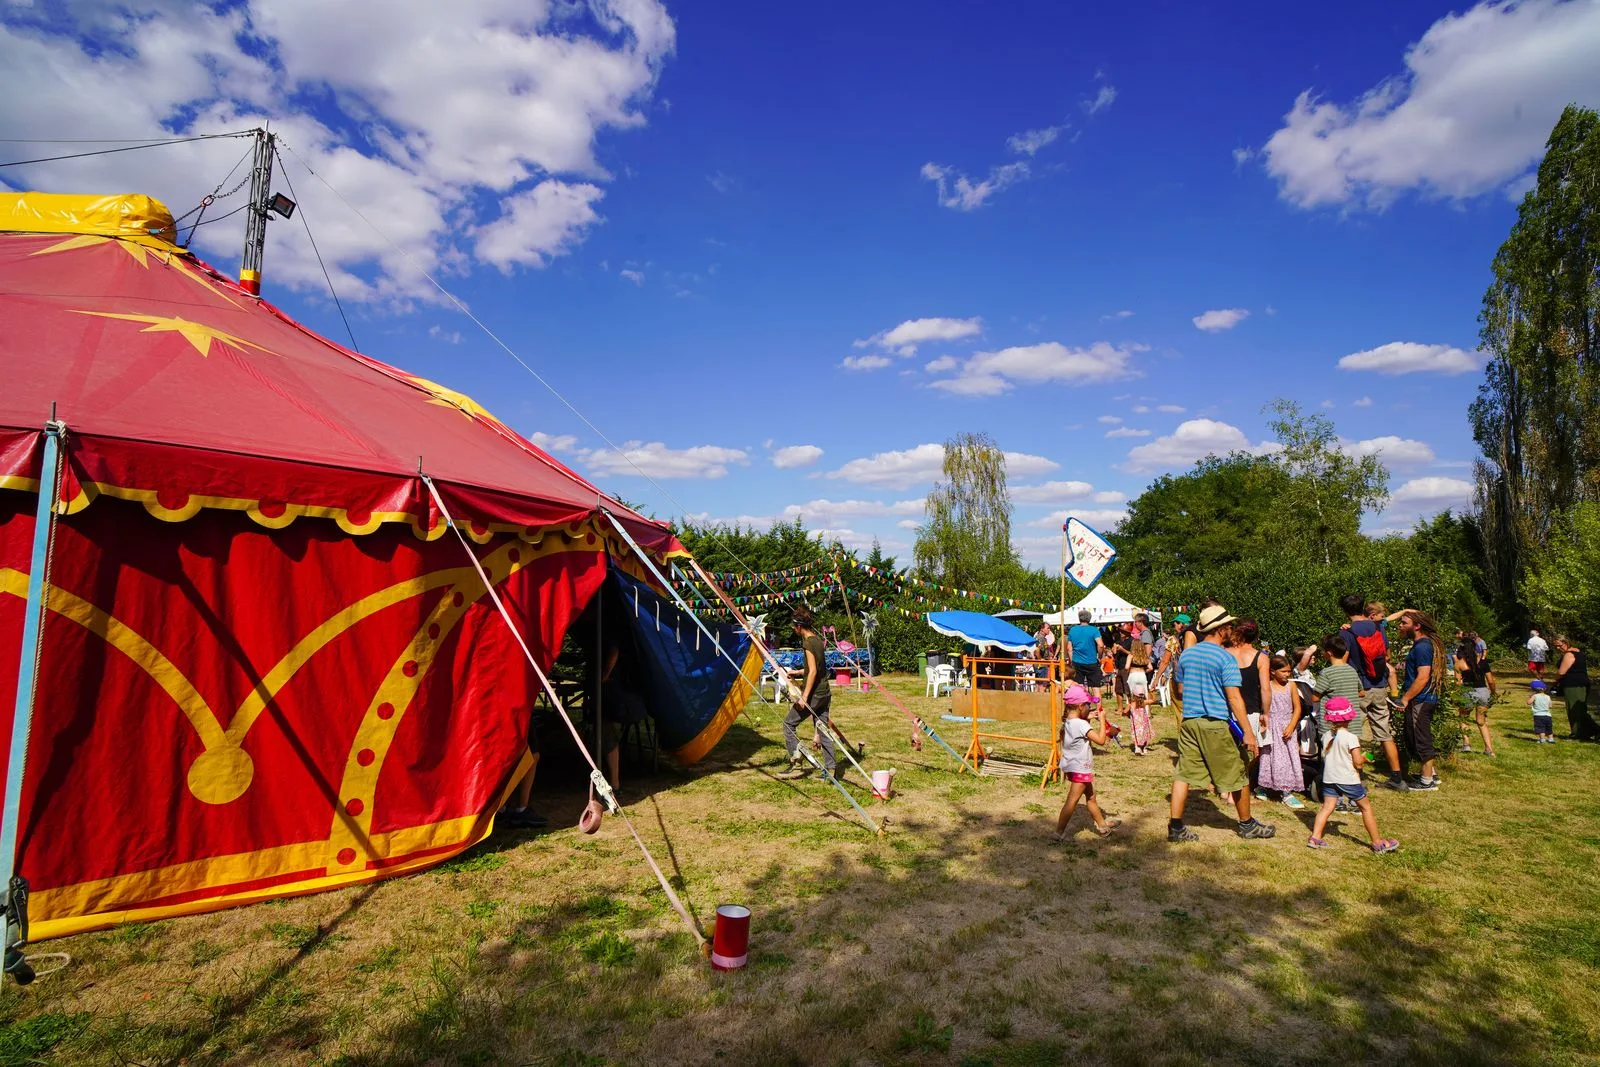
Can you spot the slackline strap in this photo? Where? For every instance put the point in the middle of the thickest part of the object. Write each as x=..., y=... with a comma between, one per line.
x=772, y=661
x=596, y=779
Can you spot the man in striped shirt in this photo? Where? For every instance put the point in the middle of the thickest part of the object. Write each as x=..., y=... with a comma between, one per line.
x=1208, y=679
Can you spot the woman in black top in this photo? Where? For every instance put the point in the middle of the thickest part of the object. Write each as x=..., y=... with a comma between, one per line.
x=1572, y=682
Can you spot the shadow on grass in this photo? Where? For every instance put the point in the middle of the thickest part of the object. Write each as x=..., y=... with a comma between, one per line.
x=985, y=947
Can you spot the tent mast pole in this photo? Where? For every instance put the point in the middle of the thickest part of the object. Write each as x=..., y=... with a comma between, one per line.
x=32, y=648
x=255, y=228
x=1061, y=626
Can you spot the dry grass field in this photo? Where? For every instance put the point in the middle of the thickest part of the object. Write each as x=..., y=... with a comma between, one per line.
x=961, y=936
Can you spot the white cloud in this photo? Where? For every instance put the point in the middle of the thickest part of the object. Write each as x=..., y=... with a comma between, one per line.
x=1102, y=519
x=963, y=194
x=1469, y=114
x=865, y=362
x=1109, y=420
x=1191, y=441
x=942, y=364
x=1241, y=156
x=1423, y=497
x=923, y=465
x=791, y=456
x=1394, y=451
x=1109, y=496
x=991, y=373
x=535, y=225
x=433, y=134
x=565, y=442
x=658, y=461
x=1220, y=319
x=1123, y=314
x=1127, y=431
x=1364, y=402
x=1028, y=142
x=449, y=337
x=1410, y=357
x=896, y=469
x=1102, y=100
x=634, y=276
x=1050, y=492
x=838, y=512
x=1171, y=409
x=904, y=338
x=1141, y=409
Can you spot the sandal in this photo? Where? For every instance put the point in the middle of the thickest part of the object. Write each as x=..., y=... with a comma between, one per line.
x=1105, y=828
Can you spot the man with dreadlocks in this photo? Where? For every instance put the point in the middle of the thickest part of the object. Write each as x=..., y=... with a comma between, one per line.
x=1420, y=697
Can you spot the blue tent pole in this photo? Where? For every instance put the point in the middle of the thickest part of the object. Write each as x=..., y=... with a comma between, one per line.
x=27, y=683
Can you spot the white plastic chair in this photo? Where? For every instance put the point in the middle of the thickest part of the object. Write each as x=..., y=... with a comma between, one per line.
x=776, y=680
x=941, y=679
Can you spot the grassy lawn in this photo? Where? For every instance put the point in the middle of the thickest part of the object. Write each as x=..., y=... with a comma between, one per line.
x=962, y=936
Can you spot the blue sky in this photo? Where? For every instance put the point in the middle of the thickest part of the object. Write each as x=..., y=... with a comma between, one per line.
x=774, y=253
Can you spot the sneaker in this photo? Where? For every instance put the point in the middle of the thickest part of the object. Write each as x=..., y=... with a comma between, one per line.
x=1464, y=747
x=1180, y=834
x=1423, y=785
x=1261, y=798
x=796, y=770
x=1346, y=805
x=1396, y=783
x=1294, y=802
x=1389, y=845
x=1254, y=830
x=1316, y=842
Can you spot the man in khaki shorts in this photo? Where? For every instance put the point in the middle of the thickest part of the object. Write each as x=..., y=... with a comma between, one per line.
x=1369, y=655
x=1208, y=679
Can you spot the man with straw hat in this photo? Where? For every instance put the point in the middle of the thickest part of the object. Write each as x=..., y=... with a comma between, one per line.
x=1213, y=727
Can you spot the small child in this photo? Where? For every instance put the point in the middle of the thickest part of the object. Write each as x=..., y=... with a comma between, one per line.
x=1341, y=779
x=1139, y=697
x=1077, y=760
x=1544, y=727
x=1280, y=762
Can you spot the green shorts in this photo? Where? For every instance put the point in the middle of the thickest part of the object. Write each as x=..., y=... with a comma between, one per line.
x=1208, y=755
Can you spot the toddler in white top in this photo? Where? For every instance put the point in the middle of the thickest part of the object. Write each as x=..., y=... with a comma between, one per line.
x=1544, y=725
x=1340, y=778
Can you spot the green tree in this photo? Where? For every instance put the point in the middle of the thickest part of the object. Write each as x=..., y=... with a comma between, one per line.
x=1563, y=582
x=1188, y=525
x=1534, y=419
x=966, y=540
x=1328, y=490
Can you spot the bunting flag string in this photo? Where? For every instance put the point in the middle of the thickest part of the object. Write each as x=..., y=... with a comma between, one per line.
x=907, y=582
x=728, y=579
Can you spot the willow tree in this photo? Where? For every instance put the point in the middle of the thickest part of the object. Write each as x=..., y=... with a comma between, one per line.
x=966, y=540
x=1534, y=418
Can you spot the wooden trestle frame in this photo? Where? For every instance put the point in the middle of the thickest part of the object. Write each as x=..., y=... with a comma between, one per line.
x=1043, y=704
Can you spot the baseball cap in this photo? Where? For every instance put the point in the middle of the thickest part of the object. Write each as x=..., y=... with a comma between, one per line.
x=1076, y=694
x=1213, y=617
x=1537, y=686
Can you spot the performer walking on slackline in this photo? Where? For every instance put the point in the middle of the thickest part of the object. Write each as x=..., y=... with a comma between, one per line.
x=814, y=694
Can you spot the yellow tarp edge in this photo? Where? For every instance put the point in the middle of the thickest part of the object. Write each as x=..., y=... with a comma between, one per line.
x=130, y=216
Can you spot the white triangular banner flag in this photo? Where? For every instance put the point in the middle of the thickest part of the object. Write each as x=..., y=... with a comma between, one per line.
x=1090, y=553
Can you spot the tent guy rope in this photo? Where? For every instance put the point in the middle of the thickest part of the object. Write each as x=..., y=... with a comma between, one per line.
x=596, y=779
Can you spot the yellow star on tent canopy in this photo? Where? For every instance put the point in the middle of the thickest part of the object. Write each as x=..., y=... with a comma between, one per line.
x=86, y=240
x=196, y=333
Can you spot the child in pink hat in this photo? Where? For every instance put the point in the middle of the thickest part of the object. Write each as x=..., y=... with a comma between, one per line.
x=1340, y=778
x=1077, y=758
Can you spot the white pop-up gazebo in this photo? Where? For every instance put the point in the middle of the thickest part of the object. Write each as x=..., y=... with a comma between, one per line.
x=1103, y=606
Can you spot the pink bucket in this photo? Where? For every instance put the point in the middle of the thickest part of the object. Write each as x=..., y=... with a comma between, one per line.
x=883, y=784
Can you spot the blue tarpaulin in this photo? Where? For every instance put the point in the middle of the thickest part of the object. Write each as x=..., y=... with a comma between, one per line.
x=692, y=691
x=985, y=631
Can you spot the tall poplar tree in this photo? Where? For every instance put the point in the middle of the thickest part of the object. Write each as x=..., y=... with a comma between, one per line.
x=1535, y=416
x=966, y=540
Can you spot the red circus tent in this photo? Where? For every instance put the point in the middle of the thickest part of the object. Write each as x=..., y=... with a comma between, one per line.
x=266, y=668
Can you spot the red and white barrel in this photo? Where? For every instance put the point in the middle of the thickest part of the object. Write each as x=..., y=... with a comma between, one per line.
x=730, y=940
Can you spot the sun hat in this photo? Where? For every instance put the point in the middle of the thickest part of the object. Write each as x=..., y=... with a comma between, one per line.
x=1536, y=686
x=1182, y=618
x=1076, y=694
x=1213, y=617
x=1338, y=709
